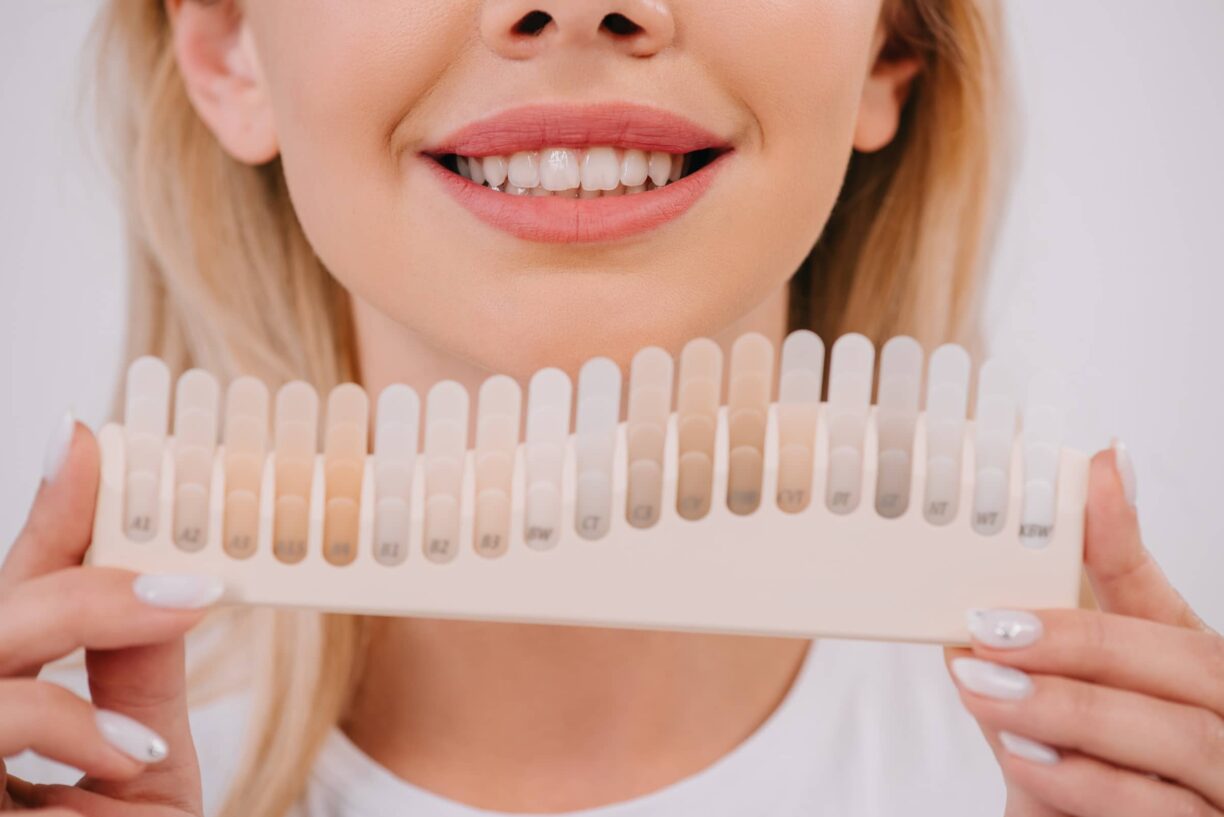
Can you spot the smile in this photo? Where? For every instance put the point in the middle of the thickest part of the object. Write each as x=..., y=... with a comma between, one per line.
x=574, y=174
x=579, y=173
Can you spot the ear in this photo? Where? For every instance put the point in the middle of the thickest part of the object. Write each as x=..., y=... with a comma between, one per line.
x=884, y=94
x=220, y=67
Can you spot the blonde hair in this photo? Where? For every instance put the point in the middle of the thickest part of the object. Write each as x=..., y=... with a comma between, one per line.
x=221, y=276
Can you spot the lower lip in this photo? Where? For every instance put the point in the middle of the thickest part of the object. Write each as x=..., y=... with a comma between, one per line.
x=557, y=220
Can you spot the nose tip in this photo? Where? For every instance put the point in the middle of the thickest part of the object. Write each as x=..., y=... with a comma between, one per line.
x=520, y=29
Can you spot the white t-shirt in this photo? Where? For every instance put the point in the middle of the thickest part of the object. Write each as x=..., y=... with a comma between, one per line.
x=866, y=729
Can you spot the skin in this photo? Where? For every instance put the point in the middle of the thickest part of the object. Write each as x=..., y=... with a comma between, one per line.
x=345, y=100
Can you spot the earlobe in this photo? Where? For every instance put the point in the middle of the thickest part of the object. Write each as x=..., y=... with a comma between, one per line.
x=220, y=67
x=884, y=95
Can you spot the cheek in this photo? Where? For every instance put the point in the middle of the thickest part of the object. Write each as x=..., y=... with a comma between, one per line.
x=341, y=83
x=800, y=67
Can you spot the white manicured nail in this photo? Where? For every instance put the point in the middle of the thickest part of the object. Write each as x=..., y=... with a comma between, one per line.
x=58, y=444
x=1028, y=749
x=181, y=590
x=134, y=739
x=992, y=680
x=1004, y=628
x=1126, y=470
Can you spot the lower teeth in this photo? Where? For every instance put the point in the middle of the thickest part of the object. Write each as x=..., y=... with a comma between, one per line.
x=572, y=193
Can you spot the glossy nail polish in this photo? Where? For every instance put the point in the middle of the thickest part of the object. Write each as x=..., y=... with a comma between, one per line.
x=178, y=591
x=992, y=680
x=1004, y=629
x=1028, y=749
x=1126, y=470
x=58, y=444
x=134, y=739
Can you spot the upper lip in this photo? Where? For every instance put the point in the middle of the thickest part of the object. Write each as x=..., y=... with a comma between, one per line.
x=533, y=127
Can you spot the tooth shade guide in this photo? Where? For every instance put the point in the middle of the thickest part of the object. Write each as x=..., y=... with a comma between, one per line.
x=499, y=405
x=897, y=405
x=946, y=407
x=772, y=571
x=698, y=389
x=196, y=408
x=246, y=444
x=146, y=407
x=850, y=375
x=649, y=407
x=295, y=430
x=345, y=442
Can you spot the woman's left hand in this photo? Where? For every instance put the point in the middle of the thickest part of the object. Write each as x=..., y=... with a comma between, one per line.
x=1116, y=713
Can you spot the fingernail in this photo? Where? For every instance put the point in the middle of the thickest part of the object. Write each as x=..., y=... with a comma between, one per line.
x=181, y=591
x=1028, y=749
x=1006, y=629
x=134, y=739
x=992, y=680
x=1126, y=470
x=58, y=444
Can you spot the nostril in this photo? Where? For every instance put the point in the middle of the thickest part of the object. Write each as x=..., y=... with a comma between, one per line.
x=532, y=23
x=620, y=25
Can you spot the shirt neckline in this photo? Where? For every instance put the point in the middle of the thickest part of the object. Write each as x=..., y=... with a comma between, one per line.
x=739, y=782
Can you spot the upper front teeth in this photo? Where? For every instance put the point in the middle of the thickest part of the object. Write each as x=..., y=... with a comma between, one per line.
x=565, y=169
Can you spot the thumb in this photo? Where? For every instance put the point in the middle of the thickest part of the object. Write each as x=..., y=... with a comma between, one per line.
x=1124, y=576
x=149, y=684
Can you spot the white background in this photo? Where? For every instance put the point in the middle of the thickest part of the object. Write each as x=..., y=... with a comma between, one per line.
x=1110, y=266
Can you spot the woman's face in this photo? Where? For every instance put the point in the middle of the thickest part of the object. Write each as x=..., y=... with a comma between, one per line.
x=362, y=100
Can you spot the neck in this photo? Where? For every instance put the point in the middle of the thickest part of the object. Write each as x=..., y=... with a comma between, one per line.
x=518, y=717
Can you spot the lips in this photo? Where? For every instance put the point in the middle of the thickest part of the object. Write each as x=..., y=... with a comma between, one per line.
x=577, y=126
x=570, y=220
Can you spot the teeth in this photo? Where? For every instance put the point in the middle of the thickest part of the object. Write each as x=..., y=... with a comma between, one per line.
x=524, y=170
x=571, y=173
x=495, y=169
x=600, y=169
x=660, y=167
x=635, y=167
x=559, y=169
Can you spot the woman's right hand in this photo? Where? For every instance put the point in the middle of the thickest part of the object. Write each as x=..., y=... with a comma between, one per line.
x=133, y=741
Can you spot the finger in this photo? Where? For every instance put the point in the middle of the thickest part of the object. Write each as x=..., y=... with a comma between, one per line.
x=49, y=720
x=1086, y=787
x=1123, y=575
x=54, y=811
x=73, y=800
x=1176, y=741
x=52, y=615
x=149, y=683
x=58, y=529
x=1019, y=801
x=1174, y=663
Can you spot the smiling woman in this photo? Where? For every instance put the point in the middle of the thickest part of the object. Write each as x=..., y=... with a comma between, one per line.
x=431, y=190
